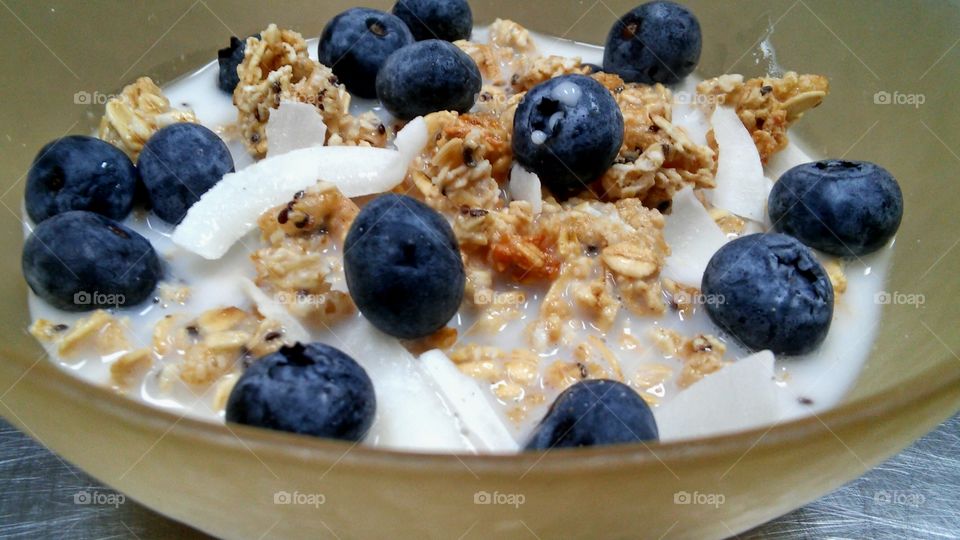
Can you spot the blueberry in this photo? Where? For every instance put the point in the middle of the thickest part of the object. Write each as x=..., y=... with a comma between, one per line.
x=595, y=413
x=449, y=20
x=80, y=173
x=80, y=261
x=179, y=164
x=357, y=42
x=428, y=76
x=567, y=130
x=771, y=293
x=844, y=208
x=310, y=389
x=403, y=267
x=229, y=58
x=657, y=42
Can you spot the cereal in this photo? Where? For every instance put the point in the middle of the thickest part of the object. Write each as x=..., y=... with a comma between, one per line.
x=136, y=114
x=300, y=258
x=277, y=67
x=701, y=355
x=769, y=106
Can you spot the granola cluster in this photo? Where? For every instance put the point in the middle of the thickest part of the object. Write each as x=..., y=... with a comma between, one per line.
x=136, y=114
x=594, y=258
x=657, y=159
x=466, y=163
x=197, y=351
x=701, y=355
x=277, y=67
x=301, y=254
x=768, y=106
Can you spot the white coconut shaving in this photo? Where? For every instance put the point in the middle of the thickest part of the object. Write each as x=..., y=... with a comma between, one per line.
x=293, y=126
x=411, y=414
x=481, y=423
x=741, y=396
x=693, y=238
x=229, y=210
x=525, y=186
x=741, y=186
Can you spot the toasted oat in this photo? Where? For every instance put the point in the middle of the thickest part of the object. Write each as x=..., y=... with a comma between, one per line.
x=835, y=271
x=128, y=368
x=442, y=339
x=300, y=260
x=215, y=343
x=768, y=106
x=731, y=224
x=468, y=160
x=170, y=293
x=701, y=355
x=657, y=159
x=103, y=332
x=649, y=381
x=529, y=71
x=277, y=67
x=509, y=34
x=132, y=117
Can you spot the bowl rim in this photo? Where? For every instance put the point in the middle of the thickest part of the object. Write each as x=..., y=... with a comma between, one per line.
x=289, y=446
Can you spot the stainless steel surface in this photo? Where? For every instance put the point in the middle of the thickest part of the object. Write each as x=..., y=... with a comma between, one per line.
x=914, y=495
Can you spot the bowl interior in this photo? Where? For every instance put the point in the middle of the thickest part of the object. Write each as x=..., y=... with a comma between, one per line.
x=62, y=48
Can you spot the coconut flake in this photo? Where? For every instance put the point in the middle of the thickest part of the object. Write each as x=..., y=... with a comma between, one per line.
x=740, y=396
x=741, y=186
x=229, y=210
x=525, y=186
x=411, y=414
x=482, y=425
x=693, y=238
x=411, y=140
x=271, y=309
x=294, y=125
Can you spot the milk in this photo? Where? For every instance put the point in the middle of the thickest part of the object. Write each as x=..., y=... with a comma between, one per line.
x=808, y=384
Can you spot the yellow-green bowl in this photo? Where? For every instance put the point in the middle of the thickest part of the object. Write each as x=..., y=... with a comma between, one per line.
x=224, y=480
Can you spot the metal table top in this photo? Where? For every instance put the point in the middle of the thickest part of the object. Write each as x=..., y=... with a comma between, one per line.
x=914, y=495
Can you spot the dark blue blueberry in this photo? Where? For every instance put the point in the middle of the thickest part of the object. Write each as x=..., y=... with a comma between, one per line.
x=179, y=164
x=844, y=208
x=426, y=77
x=357, y=42
x=229, y=58
x=568, y=131
x=595, y=413
x=449, y=20
x=657, y=42
x=770, y=293
x=80, y=261
x=403, y=267
x=310, y=389
x=80, y=173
